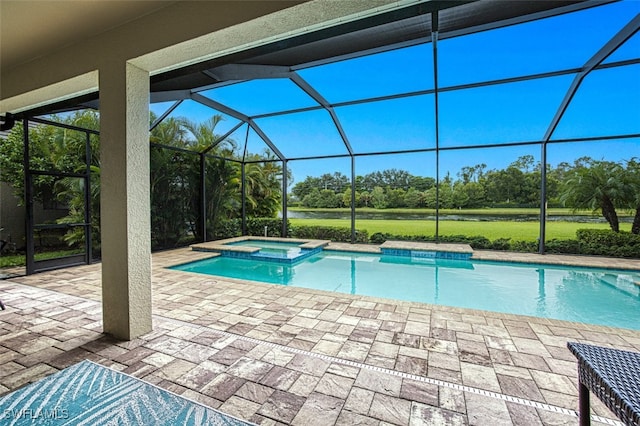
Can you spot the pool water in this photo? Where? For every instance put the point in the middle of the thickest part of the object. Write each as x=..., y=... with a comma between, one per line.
x=270, y=250
x=587, y=295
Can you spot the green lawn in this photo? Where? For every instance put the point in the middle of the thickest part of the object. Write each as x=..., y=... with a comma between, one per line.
x=12, y=260
x=524, y=231
x=485, y=211
x=9, y=260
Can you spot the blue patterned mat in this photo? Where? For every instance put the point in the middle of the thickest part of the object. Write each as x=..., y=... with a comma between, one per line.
x=90, y=394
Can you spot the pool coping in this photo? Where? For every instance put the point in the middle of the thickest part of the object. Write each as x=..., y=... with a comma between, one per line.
x=218, y=246
x=600, y=262
x=420, y=246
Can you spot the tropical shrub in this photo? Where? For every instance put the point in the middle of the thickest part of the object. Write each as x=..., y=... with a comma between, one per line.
x=57, y=149
x=562, y=246
x=175, y=183
x=226, y=229
x=256, y=225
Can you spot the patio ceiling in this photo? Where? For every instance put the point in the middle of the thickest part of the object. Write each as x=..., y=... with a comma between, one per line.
x=407, y=26
x=31, y=29
x=293, y=69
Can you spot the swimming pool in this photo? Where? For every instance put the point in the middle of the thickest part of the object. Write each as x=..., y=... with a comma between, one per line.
x=587, y=295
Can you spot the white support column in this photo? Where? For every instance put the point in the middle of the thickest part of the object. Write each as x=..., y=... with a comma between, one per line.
x=125, y=200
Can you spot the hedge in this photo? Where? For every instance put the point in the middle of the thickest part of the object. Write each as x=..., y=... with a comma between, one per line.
x=255, y=226
x=608, y=243
x=599, y=242
x=332, y=233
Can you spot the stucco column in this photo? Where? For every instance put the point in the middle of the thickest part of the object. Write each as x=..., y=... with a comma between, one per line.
x=125, y=200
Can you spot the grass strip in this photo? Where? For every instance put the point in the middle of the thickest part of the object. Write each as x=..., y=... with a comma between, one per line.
x=522, y=231
x=476, y=212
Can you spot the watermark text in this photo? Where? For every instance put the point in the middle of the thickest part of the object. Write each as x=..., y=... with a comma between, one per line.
x=29, y=414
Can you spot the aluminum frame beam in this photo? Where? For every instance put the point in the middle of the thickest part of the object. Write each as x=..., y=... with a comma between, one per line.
x=240, y=116
x=316, y=96
x=223, y=137
x=171, y=95
x=615, y=42
x=234, y=72
x=165, y=114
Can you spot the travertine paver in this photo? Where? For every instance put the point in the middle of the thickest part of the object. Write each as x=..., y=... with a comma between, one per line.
x=396, y=346
x=390, y=409
x=479, y=376
x=348, y=418
x=414, y=390
x=379, y=382
x=482, y=410
x=319, y=409
x=282, y=406
x=426, y=415
x=334, y=385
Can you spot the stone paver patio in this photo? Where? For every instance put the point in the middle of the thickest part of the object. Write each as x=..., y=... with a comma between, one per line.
x=281, y=355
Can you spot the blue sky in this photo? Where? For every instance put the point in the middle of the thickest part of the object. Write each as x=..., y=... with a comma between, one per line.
x=607, y=103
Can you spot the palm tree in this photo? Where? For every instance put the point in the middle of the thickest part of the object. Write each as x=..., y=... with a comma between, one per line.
x=221, y=180
x=223, y=186
x=71, y=191
x=597, y=185
x=205, y=136
x=66, y=151
x=169, y=184
x=632, y=191
x=169, y=132
x=263, y=192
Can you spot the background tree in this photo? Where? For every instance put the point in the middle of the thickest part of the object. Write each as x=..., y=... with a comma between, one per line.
x=414, y=198
x=421, y=183
x=303, y=188
x=378, y=198
x=472, y=173
x=474, y=195
x=322, y=199
x=365, y=199
x=346, y=198
x=51, y=149
x=395, y=197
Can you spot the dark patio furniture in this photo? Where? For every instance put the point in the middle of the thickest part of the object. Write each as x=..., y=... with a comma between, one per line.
x=613, y=376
